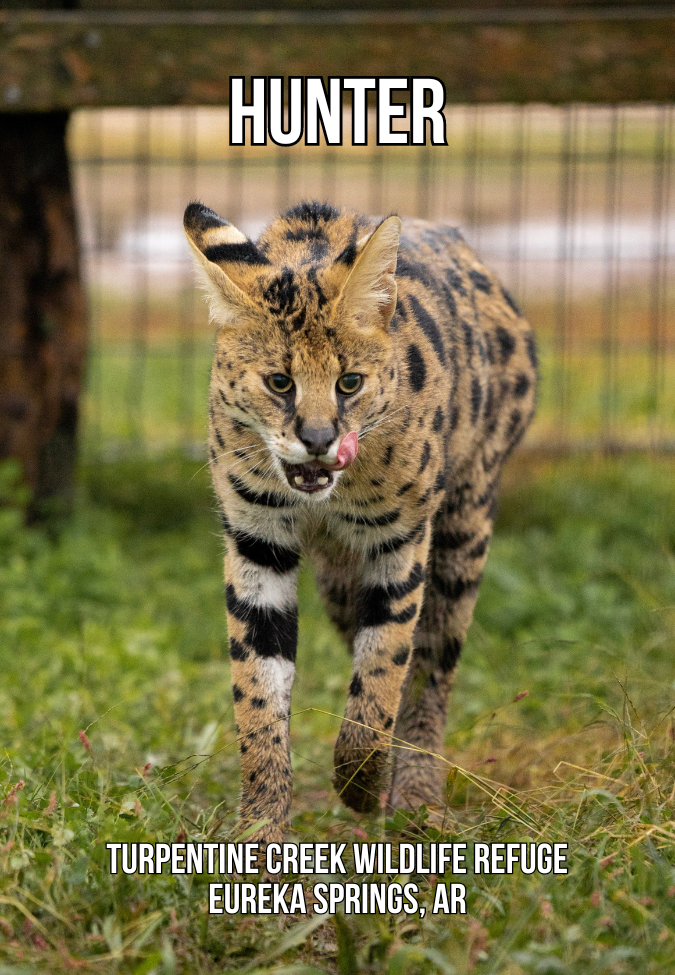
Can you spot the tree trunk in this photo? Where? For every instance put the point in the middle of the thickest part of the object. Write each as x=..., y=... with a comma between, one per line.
x=43, y=317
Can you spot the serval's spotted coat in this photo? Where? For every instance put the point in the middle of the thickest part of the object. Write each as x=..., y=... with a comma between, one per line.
x=398, y=534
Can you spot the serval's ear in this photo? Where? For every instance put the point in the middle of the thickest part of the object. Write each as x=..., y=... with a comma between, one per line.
x=369, y=293
x=226, y=260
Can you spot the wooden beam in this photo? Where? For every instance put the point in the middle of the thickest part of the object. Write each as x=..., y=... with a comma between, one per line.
x=55, y=59
x=43, y=309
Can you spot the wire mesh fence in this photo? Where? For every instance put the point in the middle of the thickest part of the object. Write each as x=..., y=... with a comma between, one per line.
x=573, y=206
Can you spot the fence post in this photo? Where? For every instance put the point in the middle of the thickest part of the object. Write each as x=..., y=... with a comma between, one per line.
x=43, y=319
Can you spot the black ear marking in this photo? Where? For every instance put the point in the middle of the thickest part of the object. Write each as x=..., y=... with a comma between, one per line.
x=199, y=218
x=242, y=252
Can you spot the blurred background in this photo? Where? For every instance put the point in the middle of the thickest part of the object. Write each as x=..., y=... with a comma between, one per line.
x=574, y=206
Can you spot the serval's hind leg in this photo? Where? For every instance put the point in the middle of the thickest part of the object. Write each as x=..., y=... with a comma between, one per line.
x=462, y=531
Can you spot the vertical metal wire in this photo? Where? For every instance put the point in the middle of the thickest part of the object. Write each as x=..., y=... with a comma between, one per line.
x=328, y=175
x=186, y=308
x=564, y=263
x=139, y=316
x=469, y=167
x=658, y=292
x=516, y=200
x=94, y=258
x=424, y=182
x=235, y=195
x=376, y=180
x=283, y=178
x=609, y=313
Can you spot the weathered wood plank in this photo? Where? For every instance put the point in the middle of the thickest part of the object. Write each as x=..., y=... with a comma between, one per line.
x=82, y=60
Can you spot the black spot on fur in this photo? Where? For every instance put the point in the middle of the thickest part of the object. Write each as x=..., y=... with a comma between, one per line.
x=356, y=686
x=414, y=270
x=480, y=280
x=438, y=420
x=265, y=498
x=386, y=458
x=453, y=539
x=375, y=610
x=304, y=234
x=237, y=693
x=314, y=281
x=439, y=483
x=452, y=648
x=400, y=658
x=454, y=418
x=258, y=703
x=507, y=343
x=219, y=438
x=388, y=518
x=237, y=650
x=374, y=602
x=299, y=319
x=476, y=399
x=266, y=554
x=514, y=422
x=417, y=371
x=455, y=281
x=396, y=543
x=490, y=403
x=480, y=549
x=508, y=298
x=311, y=211
x=468, y=337
x=281, y=293
x=423, y=498
x=271, y=632
x=521, y=386
x=348, y=254
x=388, y=723
x=531, y=351
x=429, y=327
x=404, y=489
x=454, y=588
x=424, y=459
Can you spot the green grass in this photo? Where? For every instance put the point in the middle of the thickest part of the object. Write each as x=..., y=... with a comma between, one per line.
x=113, y=623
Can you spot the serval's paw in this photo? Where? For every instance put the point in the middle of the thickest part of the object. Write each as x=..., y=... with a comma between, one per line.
x=361, y=774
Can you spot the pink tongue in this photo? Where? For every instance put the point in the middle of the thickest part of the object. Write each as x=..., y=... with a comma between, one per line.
x=347, y=450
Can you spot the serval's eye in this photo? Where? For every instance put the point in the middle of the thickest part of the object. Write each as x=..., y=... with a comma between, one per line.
x=279, y=383
x=349, y=383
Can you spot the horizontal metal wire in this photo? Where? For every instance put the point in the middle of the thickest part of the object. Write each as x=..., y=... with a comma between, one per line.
x=337, y=18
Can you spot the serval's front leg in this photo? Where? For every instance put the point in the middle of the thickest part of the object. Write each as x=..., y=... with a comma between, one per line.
x=387, y=608
x=262, y=618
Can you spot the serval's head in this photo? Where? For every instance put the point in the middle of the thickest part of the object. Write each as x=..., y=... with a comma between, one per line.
x=303, y=351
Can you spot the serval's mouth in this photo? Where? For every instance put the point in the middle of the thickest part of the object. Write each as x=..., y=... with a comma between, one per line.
x=317, y=475
x=310, y=478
